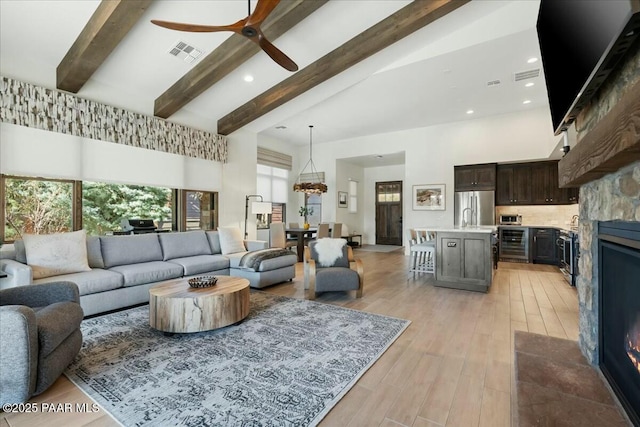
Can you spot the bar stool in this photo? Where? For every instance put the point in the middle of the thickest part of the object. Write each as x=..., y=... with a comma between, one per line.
x=422, y=249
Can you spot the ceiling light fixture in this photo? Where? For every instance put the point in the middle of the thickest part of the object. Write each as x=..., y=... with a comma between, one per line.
x=470, y=111
x=529, y=84
x=248, y=78
x=532, y=60
x=526, y=101
x=316, y=186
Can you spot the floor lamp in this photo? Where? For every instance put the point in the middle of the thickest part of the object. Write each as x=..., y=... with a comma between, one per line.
x=260, y=207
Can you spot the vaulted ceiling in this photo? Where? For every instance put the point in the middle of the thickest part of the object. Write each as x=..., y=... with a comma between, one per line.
x=365, y=66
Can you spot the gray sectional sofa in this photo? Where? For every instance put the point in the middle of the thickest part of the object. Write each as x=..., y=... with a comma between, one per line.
x=123, y=268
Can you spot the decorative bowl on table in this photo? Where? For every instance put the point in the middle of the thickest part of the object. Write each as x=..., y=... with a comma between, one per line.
x=203, y=281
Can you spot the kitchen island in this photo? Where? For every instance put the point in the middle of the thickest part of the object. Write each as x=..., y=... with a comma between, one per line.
x=464, y=257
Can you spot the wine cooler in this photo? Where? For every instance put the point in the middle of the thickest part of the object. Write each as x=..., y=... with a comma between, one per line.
x=514, y=244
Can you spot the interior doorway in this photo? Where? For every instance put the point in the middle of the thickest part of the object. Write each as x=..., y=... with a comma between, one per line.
x=389, y=213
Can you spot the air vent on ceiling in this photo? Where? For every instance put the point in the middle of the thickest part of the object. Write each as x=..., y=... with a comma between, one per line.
x=185, y=52
x=524, y=75
x=493, y=82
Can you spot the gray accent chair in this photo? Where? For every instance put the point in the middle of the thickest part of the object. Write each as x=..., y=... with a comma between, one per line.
x=39, y=336
x=345, y=274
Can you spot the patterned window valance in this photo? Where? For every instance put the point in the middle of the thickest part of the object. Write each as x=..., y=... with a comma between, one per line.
x=34, y=106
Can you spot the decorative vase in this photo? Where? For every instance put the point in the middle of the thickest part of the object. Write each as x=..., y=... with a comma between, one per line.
x=306, y=225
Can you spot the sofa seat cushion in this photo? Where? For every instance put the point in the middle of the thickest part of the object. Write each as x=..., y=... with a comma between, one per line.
x=55, y=323
x=186, y=244
x=90, y=282
x=336, y=279
x=125, y=250
x=201, y=263
x=266, y=265
x=148, y=272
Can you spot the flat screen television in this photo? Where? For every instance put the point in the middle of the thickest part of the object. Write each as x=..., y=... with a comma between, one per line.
x=581, y=41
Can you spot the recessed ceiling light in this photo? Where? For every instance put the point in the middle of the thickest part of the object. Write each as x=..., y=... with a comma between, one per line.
x=532, y=60
x=248, y=78
x=378, y=156
x=469, y=111
x=526, y=101
x=281, y=127
x=529, y=84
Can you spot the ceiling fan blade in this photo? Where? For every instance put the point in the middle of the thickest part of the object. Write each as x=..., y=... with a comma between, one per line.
x=276, y=54
x=195, y=28
x=260, y=13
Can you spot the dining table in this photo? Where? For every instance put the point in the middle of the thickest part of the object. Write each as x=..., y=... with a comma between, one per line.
x=300, y=234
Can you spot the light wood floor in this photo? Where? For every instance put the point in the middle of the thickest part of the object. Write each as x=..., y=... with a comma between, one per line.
x=453, y=366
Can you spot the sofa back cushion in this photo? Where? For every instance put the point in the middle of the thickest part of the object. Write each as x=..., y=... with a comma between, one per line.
x=214, y=242
x=231, y=240
x=131, y=249
x=180, y=245
x=55, y=254
x=21, y=254
x=94, y=252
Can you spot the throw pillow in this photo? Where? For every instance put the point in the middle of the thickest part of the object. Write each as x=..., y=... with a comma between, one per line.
x=231, y=240
x=55, y=254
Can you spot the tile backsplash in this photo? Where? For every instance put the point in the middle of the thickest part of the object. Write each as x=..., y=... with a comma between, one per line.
x=552, y=215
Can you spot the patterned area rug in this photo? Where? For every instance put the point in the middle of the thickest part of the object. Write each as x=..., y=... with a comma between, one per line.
x=287, y=364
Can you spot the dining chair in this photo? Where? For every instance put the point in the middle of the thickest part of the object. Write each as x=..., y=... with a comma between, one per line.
x=294, y=225
x=278, y=236
x=336, y=230
x=323, y=230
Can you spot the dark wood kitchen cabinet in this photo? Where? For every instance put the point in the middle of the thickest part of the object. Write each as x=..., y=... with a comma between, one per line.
x=475, y=177
x=513, y=185
x=543, y=245
x=544, y=186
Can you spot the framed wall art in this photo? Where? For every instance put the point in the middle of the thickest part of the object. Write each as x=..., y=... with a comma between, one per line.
x=429, y=197
x=342, y=199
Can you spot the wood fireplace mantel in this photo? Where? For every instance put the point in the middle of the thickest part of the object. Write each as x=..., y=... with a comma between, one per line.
x=611, y=145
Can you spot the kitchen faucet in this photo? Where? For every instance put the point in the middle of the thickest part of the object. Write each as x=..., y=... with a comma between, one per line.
x=574, y=221
x=464, y=221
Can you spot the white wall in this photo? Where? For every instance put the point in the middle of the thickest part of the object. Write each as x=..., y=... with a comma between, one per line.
x=346, y=172
x=431, y=153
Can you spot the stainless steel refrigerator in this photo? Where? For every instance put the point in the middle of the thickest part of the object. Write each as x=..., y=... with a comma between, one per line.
x=472, y=208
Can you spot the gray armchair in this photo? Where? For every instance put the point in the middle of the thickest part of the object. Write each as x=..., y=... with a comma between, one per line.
x=39, y=336
x=345, y=274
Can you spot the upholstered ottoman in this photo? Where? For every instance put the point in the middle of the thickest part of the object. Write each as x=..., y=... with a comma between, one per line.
x=263, y=267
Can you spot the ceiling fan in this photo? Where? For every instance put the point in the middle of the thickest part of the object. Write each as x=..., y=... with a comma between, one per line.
x=248, y=27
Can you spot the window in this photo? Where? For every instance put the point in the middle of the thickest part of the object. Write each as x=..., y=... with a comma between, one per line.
x=198, y=210
x=104, y=206
x=273, y=185
x=36, y=206
x=389, y=192
x=353, y=196
x=44, y=206
x=314, y=201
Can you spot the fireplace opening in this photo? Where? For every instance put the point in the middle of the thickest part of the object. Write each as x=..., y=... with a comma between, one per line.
x=619, y=319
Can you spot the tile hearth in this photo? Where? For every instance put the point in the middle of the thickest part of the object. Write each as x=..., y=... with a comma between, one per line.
x=556, y=386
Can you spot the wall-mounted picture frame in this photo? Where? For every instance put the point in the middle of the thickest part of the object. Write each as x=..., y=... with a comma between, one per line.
x=342, y=199
x=429, y=197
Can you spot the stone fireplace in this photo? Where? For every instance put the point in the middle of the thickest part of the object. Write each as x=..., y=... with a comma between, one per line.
x=605, y=164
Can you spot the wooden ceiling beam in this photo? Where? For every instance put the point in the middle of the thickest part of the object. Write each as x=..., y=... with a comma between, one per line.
x=108, y=25
x=232, y=53
x=407, y=20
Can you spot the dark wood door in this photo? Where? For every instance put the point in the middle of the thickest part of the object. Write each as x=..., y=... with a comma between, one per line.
x=544, y=246
x=540, y=184
x=464, y=178
x=389, y=213
x=521, y=185
x=504, y=183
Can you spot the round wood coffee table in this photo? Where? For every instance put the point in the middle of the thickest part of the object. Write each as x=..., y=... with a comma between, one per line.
x=176, y=307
